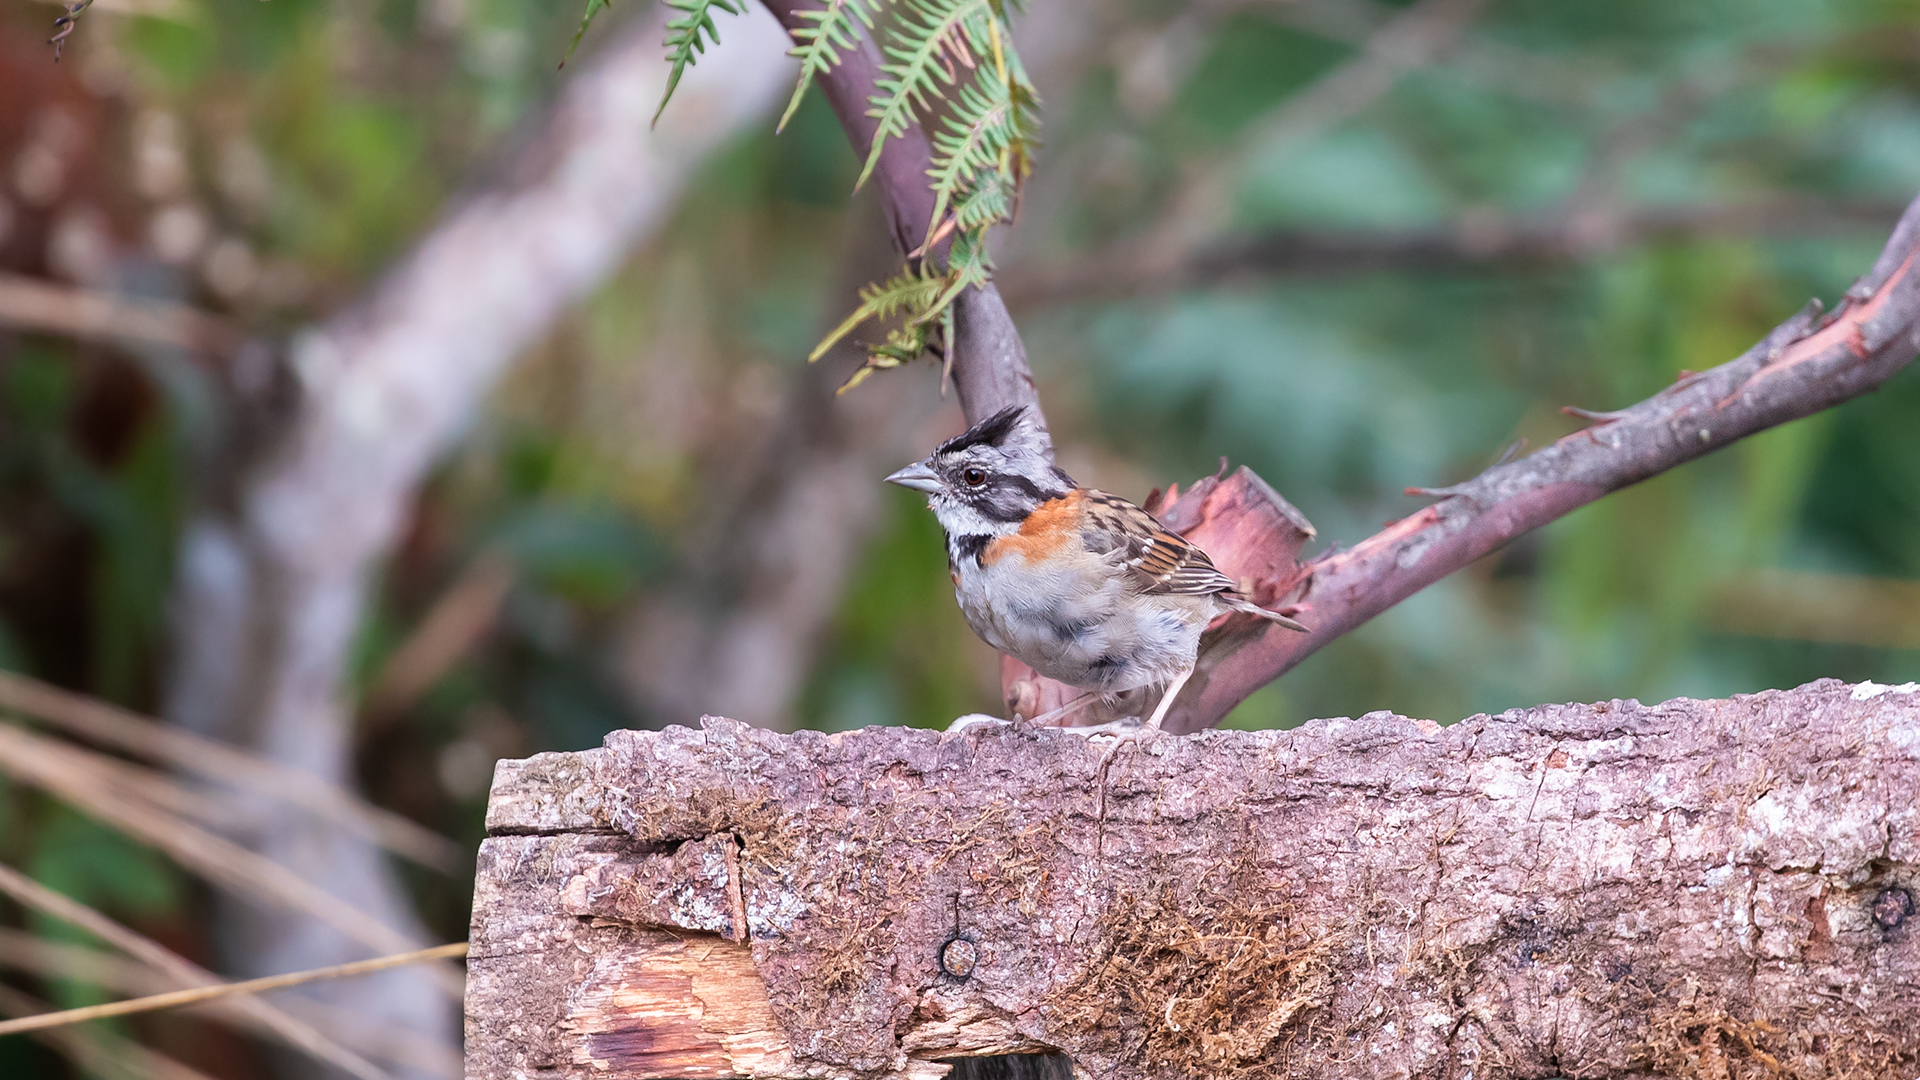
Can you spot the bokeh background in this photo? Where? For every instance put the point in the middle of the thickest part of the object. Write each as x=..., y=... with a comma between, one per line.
x=1356, y=245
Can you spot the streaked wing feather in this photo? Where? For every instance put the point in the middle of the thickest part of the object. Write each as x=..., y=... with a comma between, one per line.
x=1161, y=561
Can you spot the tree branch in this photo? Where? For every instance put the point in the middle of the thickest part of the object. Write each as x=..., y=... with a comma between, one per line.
x=1694, y=889
x=989, y=362
x=1475, y=243
x=1806, y=364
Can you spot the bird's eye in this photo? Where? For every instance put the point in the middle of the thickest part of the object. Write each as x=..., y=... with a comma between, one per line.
x=974, y=477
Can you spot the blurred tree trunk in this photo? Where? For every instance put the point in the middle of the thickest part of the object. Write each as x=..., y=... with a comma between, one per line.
x=736, y=628
x=273, y=577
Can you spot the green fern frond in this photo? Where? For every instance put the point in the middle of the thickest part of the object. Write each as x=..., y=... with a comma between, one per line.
x=594, y=7
x=906, y=291
x=979, y=157
x=975, y=135
x=931, y=37
x=989, y=200
x=902, y=345
x=967, y=264
x=818, y=45
x=687, y=36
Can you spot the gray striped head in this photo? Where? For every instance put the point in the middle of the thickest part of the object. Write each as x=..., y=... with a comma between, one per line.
x=990, y=477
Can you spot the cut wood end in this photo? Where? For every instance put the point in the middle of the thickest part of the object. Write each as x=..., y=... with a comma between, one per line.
x=690, y=1006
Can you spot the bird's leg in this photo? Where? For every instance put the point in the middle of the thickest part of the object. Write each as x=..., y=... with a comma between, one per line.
x=1064, y=711
x=1173, y=691
x=1126, y=738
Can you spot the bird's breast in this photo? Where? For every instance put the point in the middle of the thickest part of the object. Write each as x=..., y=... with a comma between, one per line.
x=1072, y=618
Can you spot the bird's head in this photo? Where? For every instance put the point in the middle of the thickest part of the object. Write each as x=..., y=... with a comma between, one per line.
x=990, y=477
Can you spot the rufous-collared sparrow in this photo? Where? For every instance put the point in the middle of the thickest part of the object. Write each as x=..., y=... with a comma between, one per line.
x=1082, y=586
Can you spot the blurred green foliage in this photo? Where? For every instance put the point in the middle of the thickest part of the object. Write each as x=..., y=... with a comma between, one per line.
x=884, y=666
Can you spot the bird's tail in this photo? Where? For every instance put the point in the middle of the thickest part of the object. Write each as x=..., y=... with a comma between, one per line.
x=1241, y=603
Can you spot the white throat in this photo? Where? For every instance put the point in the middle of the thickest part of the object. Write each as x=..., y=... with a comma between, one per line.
x=959, y=519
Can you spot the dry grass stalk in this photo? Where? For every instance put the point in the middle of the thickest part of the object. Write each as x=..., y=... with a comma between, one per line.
x=25, y=952
x=64, y=772
x=132, y=733
x=55, y=768
x=35, y=304
x=146, y=785
x=400, y=1046
x=97, y=1052
x=455, y=623
x=180, y=971
x=174, y=999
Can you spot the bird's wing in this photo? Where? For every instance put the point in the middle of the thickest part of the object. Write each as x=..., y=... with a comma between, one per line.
x=1159, y=561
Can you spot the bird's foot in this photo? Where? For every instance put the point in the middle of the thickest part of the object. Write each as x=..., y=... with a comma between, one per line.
x=972, y=719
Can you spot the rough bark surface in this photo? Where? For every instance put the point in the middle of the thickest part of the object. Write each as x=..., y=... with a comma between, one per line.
x=1697, y=888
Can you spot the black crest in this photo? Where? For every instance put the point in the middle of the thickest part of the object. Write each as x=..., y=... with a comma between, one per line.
x=989, y=432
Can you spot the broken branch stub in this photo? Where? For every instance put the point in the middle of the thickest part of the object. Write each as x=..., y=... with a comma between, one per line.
x=1693, y=889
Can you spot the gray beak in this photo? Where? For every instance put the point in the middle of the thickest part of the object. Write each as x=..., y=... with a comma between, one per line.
x=918, y=477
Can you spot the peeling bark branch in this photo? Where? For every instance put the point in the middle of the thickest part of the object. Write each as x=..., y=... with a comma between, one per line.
x=1690, y=889
x=1808, y=363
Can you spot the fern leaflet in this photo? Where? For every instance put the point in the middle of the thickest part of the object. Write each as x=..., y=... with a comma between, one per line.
x=594, y=7
x=906, y=291
x=967, y=264
x=933, y=34
x=688, y=35
x=987, y=202
x=818, y=45
x=980, y=154
x=975, y=136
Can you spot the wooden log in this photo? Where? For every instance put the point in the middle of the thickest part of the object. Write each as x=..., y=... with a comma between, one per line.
x=1695, y=889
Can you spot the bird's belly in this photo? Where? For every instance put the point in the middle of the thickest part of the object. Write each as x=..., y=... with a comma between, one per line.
x=1083, y=630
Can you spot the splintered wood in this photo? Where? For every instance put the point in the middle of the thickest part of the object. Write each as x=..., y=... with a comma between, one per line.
x=1695, y=889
